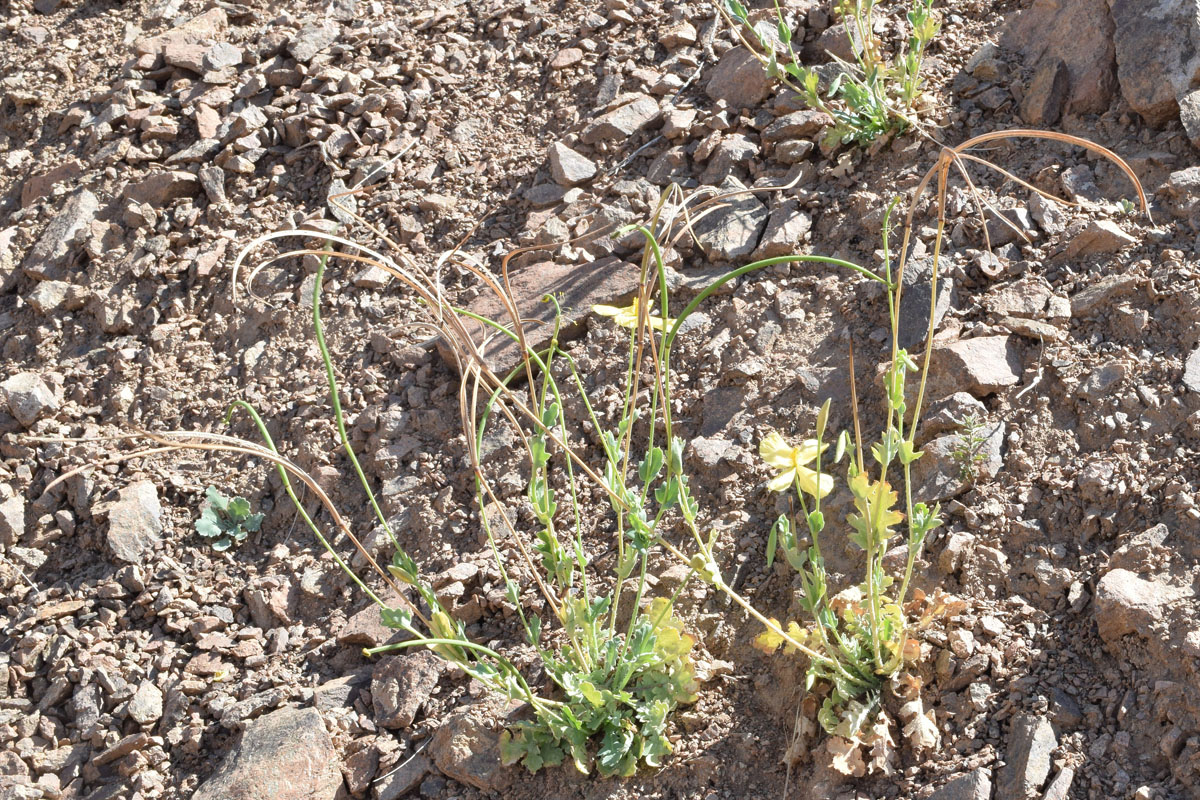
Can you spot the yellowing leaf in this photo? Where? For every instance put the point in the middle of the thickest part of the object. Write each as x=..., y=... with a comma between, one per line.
x=768, y=641
x=796, y=632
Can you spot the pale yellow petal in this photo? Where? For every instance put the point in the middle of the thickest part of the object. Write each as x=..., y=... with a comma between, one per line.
x=808, y=450
x=775, y=450
x=808, y=481
x=782, y=481
x=607, y=311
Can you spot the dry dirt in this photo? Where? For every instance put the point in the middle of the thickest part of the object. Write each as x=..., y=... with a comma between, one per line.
x=144, y=143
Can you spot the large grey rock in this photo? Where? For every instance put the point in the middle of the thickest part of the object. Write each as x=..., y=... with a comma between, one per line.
x=981, y=366
x=1047, y=93
x=286, y=755
x=1191, y=371
x=1031, y=740
x=1189, y=115
x=312, y=39
x=1098, y=237
x=568, y=167
x=950, y=465
x=28, y=397
x=400, y=686
x=913, y=322
x=50, y=257
x=467, y=749
x=739, y=79
x=1157, y=58
x=1128, y=603
x=1080, y=34
x=788, y=226
x=623, y=121
x=733, y=230
x=134, y=522
x=974, y=785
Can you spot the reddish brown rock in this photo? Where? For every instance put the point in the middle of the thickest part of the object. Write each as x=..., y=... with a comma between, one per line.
x=286, y=755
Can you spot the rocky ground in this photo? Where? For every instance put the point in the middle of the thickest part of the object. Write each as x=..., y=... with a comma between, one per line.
x=144, y=143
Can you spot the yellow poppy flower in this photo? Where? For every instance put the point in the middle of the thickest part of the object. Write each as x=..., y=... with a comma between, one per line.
x=627, y=317
x=790, y=462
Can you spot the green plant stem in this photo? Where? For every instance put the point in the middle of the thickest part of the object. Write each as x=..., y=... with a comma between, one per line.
x=291, y=493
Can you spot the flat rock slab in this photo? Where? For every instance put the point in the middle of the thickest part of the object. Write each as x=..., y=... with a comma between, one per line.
x=286, y=755
x=50, y=257
x=1129, y=603
x=1191, y=371
x=732, y=230
x=400, y=685
x=1027, y=760
x=974, y=785
x=623, y=121
x=981, y=366
x=467, y=749
x=578, y=287
x=134, y=522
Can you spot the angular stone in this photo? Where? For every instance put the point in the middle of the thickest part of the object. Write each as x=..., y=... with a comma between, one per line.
x=670, y=166
x=913, y=323
x=1128, y=603
x=981, y=366
x=467, y=749
x=1060, y=787
x=733, y=230
x=787, y=227
x=1191, y=372
x=622, y=122
x=802, y=124
x=940, y=475
x=366, y=629
x=146, y=705
x=974, y=785
x=49, y=258
x=134, y=522
x=12, y=520
x=403, y=779
x=568, y=167
x=28, y=397
x=312, y=39
x=609, y=281
x=1099, y=237
x=735, y=151
x=286, y=755
x=1031, y=740
x=1047, y=93
x=1026, y=297
x=400, y=685
x=740, y=80
x=1077, y=32
x=161, y=188
x=567, y=57
x=1156, y=54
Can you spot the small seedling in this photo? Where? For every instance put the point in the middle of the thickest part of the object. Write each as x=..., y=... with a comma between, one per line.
x=226, y=522
x=968, y=453
x=869, y=99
